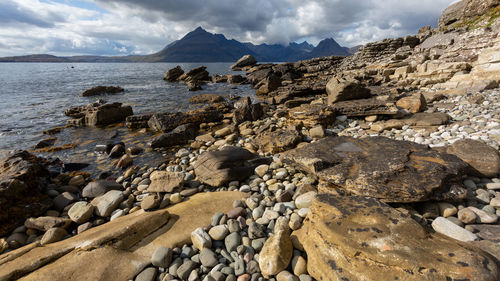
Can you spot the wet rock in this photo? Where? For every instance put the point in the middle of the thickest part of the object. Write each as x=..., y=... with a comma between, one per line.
x=102, y=90
x=228, y=164
x=345, y=236
x=100, y=187
x=173, y=74
x=278, y=141
x=97, y=114
x=180, y=135
x=124, y=162
x=391, y=170
x=117, y=150
x=206, y=98
x=343, y=89
x=244, y=61
x=196, y=74
x=164, y=181
x=483, y=159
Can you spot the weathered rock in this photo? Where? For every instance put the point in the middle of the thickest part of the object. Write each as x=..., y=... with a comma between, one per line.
x=343, y=89
x=391, y=170
x=276, y=253
x=421, y=119
x=102, y=90
x=173, y=74
x=137, y=121
x=163, y=181
x=180, y=135
x=487, y=232
x=312, y=115
x=196, y=74
x=465, y=12
x=415, y=103
x=201, y=239
x=246, y=111
x=150, y=202
x=124, y=162
x=194, y=85
x=107, y=203
x=99, y=187
x=206, y=98
x=169, y=121
x=448, y=228
x=268, y=84
x=53, y=235
x=46, y=223
x=346, y=236
x=97, y=114
x=278, y=141
x=23, y=178
x=483, y=159
x=365, y=107
x=246, y=60
x=218, y=167
x=162, y=257
x=63, y=200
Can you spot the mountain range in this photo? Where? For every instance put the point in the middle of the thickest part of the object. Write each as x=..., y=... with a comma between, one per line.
x=202, y=46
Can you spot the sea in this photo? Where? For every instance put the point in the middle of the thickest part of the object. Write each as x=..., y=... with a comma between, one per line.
x=33, y=97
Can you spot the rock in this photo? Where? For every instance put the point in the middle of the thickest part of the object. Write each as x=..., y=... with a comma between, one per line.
x=16, y=240
x=150, y=202
x=45, y=143
x=246, y=60
x=53, y=235
x=77, y=180
x=228, y=164
x=201, y=239
x=102, y=90
x=483, y=159
x=23, y=177
x=164, y=181
x=117, y=150
x=3, y=245
x=194, y=85
x=261, y=170
x=208, y=258
x=185, y=269
x=63, y=200
x=421, y=119
x=448, y=228
x=276, y=253
x=124, y=162
x=464, y=12
x=173, y=74
x=391, y=170
x=317, y=132
x=232, y=241
x=286, y=276
x=100, y=187
x=487, y=232
x=134, y=150
x=245, y=110
x=268, y=84
x=278, y=141
x=46, y=223
x=345, y=236
x=343, y=89
x=447, y=209
x=196, y=74
x=299, y=265
x=162, y=257
x=312, y=115
x=365, y=107
x=415, y=103
x=107, y=203
x=148, y=274
x=169, y=121
x=467, y=216
x=218, y=232
x=236, y=212
x=97, y=114
x=81, y=212
x=180, y=135
x=206, y=98
x=484, y=217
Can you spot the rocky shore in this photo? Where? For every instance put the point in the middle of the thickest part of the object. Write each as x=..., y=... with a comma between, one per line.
x=380, y=166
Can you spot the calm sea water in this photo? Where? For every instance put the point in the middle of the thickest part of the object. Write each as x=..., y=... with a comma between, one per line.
x=33, y=96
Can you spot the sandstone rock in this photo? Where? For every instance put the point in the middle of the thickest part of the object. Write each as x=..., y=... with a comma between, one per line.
x=415, y=103
x=201, y=239
x=365, y=107
x=107, y=203
x=286, y=276
x=81, y=212
x=483, y=159
x=466, y=216
x=343, y=89
x=163, y=181
x=218, y=167
x=206, y=98
x=53, y=235
x=460, y=12
x=102, y=90
x=278, y=141
x=173, y=74
x=276, y=253
x=246, y=111
x=246, y=60
x=487, y=232
x=268, y=84
x=180, y=135
x=312, y=115
x=46, y=223
x=317, y=132
x=345, y=236
x=150, y=202
x=299, y=265
x=100, y=187
x=97, y=114
x=391, y=170
x=421, y=119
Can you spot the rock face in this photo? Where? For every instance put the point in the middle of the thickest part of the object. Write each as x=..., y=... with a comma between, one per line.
x=483, y=159
x=173, y=74
x=102, y=90
x=463, y=11
x=391, y=170
x=246, y=60
x=228, y=164
x=342, y=89
x=246, y=111
x=347, y=237
x=23, y=178
x=96, y=114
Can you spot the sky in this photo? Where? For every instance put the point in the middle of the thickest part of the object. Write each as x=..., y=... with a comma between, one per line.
x=124, y=27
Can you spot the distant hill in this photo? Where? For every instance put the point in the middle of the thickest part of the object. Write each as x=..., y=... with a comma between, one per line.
x=202, y=46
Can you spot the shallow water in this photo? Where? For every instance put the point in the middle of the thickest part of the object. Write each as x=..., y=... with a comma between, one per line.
x=33, y=97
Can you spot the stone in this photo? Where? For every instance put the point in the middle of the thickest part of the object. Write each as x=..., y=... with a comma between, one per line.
x=208, y=258
x=447, y=209
x=448, y=228
x=232, y=241
x=269, y=84
x=45, y=223
x=462, y=12
x=64, y=199
x=100, y=187
x=164, y=181
x=206, y=98
x=365, y=107
x=150, y=202
x=201, y=239
x=286, y=276
x=305, y=200
x=487, y=232
x=166, y=122
x=107, y=203
x=312, y=115
x=81, y=212
x=16, y=240
x=148, y=274
x=379, y=167
x=102, y=90
x=77, y=180
x=483, y=159
x=276, y=253
x=256, y=230
x=343, y=89
x=261, y=170
x=299, y=265
x=245, y=110
x=278, y=141
x=53, y=235
x=236, y=212
x=467, y=216
x=317, y=132
x=216, y=168
x=173, y=74
x=98, y=114
x=482, y=216
x=218, y=232
x=196, y=74
x=415, y=103
x=162, y=257
x=345, y=236
x=244, y=61
x=124, y=162
x=185, y=269
x=180, y=135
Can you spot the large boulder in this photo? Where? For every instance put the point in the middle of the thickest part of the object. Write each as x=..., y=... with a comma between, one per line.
x=196, y=74
x=278, y=141
x=361, y=238
x=228, y=164
x=166, y=122
x=180, y=135
x=483, y=159
x=379, y=167
x=365, y=107
x=311, y=115
x=342, y=89
x=246, y=60
x=23, y=179
x=173, y=74
x=98, y=114
x=245, y=110
x=102, y=90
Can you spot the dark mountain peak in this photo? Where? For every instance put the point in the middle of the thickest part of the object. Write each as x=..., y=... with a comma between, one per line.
x=328, y=42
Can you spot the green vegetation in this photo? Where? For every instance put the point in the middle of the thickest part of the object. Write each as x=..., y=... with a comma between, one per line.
x=486, y=20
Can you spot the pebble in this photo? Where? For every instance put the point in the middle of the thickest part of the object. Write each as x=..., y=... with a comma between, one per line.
x=208, y=258
x=201, y=239
x=162, y=257
x=81, y=212
x=53, y=235
x=286, y=276
x=175, y=198
x=483, y=216
x=185, y=269
x=448, y=228
x=447, y=209
x=150, y=202
x=232, y=241
x=493, y=185
x=305, y=200
x=218, y=232
x=467, y=216
x=148, y=274
x=261, y=170
x=299, y=265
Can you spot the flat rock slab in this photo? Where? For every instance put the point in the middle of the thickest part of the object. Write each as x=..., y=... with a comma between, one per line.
x=365, y=107
x=379, y=167
x=361, y=238
x=117, y=250
x=488, y=232
x=163, y=181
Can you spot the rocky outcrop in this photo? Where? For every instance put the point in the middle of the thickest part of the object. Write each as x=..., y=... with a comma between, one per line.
x=390, y=170
x=219, y=167
x=483, y=159
x=180, y=135
x=102, y=90
x=342, y=89
x=245, y=110
x=23, y=178
x=168, y=121
x=244, y=61
x=98, y=114
x=465, y=11
x=365, y=107
x=347, y=237
x=173, y=74
x=199, y=74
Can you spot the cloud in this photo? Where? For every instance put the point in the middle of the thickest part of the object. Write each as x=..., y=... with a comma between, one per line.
x=114, y=27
